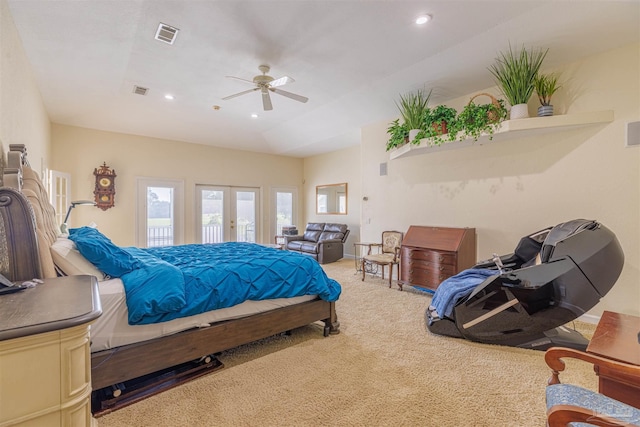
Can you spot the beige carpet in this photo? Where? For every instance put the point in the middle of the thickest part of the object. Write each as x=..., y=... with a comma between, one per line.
x=383, y=369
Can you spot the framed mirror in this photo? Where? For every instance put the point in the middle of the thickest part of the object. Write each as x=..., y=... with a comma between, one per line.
x=331, y=199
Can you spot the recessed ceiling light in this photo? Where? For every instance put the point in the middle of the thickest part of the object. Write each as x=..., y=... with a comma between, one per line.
x=254, y=116
x=169, y=97
x=423, y=19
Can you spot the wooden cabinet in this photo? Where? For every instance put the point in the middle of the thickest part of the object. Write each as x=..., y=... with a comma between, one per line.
x=429, y=255
x=616, y=337
x=45, y=366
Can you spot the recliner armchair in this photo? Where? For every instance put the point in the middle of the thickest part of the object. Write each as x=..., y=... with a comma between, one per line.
x=324, y=242
x=523, y=299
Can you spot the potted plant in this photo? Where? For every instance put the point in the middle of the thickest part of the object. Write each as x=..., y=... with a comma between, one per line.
x=412, y=107
x=476, y=119
x=440, y=121
x=398, y=134
x=546, y=85
x=515, y=74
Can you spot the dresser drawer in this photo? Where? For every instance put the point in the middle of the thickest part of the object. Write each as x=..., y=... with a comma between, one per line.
x=436, y=266
x=430, y=281
x=431, y=256
x=421, y=275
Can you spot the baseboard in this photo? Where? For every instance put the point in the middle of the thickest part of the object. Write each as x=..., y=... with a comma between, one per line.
x=589, y=318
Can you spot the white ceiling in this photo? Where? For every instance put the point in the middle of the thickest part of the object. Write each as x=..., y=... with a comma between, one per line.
x=351, y=58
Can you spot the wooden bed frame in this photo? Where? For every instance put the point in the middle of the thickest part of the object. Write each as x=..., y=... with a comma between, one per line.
x=24, y=261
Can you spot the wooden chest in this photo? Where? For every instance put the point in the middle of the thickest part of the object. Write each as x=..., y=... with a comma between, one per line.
x=429, y=255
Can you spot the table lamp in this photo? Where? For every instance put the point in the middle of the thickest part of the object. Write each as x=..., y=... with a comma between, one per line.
x=63, y=226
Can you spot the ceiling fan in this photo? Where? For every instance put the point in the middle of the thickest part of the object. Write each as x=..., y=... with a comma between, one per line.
x=266, y=84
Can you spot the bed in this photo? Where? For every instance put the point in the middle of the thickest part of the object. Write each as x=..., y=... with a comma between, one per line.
x=119, y=351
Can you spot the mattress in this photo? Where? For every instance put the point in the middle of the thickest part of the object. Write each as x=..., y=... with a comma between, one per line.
x=112, y=328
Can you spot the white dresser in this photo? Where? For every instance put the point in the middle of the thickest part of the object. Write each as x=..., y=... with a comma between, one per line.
x=45, y=360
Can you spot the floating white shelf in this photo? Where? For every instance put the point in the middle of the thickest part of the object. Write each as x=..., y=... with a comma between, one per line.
x=510, y=129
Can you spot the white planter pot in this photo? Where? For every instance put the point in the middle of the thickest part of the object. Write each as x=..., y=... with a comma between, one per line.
x=412, y=134
x=519, y=111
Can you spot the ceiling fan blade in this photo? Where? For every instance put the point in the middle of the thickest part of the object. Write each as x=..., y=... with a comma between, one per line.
x=266, y=100
x=289, y=95
x=240, y=93
x=238, y=78
x=281, y=81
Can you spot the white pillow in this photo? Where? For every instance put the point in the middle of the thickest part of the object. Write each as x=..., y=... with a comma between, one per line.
x=70, y=261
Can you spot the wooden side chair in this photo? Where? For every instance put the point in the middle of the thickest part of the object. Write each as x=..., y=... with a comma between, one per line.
x=572, y=405
x=388, y=253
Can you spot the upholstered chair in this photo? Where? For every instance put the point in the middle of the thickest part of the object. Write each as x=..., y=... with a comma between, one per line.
x=388, y=253
x=570, y=405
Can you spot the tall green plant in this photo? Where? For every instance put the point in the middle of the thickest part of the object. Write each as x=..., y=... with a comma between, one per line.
x=412, y=107
x=515, y=73
x=546, y=85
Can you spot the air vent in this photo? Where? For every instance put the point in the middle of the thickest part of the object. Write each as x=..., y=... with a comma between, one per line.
x=139, y=90
x=166, y=33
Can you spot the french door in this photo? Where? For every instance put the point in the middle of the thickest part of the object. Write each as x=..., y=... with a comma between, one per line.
x=227, y=214
x=284, y=201
x=160, y=212
x=60, y=193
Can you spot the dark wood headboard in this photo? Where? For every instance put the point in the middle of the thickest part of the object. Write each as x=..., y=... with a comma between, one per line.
x=27, y=221
x=18, y=242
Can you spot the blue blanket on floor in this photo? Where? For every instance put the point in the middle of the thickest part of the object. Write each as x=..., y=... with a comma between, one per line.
x=457, y=287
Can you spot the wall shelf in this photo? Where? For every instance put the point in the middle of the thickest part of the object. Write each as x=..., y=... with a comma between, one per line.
x=510, y=129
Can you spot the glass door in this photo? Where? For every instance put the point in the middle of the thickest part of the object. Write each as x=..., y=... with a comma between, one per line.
x=284, y=202
x=160, y=213
x=227, y=214
x=59, y=193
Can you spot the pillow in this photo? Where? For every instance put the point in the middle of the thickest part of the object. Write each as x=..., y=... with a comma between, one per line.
x=69, y=260
x=101, y=252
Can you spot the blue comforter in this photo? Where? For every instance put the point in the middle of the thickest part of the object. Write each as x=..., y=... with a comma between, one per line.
x=180, y=281
x=165, y=283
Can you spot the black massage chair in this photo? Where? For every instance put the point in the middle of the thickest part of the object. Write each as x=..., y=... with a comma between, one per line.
x=554, y=276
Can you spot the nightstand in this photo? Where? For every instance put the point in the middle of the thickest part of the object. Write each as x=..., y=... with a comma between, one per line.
x=45, y=359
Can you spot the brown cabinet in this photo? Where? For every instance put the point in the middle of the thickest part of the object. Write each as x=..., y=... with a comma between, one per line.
x=429, y=255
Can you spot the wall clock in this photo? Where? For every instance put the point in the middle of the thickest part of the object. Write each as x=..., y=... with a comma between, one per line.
x=105, y=190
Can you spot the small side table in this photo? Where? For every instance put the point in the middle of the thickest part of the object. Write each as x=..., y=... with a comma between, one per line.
x=358, y=252
x=280, y=241
x=616, y=337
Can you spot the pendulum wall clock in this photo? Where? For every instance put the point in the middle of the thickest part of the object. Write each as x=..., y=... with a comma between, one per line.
x=105, y=191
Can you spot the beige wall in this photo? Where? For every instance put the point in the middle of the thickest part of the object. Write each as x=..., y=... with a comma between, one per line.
x=504, y=190
x=79, y=151
x=23, y=119
x=511, y=188
x=334, y=168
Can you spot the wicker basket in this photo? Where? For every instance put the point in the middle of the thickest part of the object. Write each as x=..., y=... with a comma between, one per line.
x=492, y=115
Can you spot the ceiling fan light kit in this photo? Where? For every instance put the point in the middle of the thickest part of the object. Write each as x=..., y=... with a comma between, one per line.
x=265, y=84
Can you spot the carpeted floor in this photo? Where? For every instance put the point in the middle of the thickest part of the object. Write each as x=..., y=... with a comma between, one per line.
x=383, y=369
